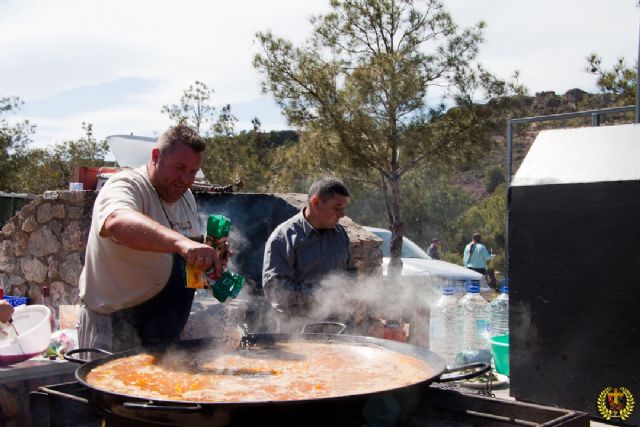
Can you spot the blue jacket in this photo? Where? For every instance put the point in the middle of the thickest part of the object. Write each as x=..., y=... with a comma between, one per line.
x=478, y=258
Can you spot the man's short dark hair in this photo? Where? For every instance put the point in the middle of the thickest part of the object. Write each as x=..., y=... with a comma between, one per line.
x=181, y=134
x=476, y=237
x=435, y=240
x=327, y=187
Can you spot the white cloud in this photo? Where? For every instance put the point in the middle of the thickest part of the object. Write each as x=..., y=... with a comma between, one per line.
x=548, y=40
x=50, y=48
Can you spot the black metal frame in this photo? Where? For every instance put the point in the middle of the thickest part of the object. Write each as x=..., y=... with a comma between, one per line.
x=435, y=406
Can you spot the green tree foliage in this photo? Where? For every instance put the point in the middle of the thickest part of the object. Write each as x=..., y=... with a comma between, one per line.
x=194, y=108
x=620, y=80
x=68, y=155
x=488, y=219
x=241, y=157
x=37, y=174
x=434, y=212
x=296, y=164
x=14, y=140
x=430, y=205
x=361, y=85
x=249, y=156
x=493, y=177
x=35, y=170
x=229, y=157
x=226, y=123
x=55, y=168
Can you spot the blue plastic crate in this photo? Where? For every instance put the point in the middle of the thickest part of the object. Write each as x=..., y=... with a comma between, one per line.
x=16, y=301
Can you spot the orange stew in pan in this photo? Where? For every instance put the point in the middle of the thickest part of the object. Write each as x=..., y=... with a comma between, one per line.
x=288, y=371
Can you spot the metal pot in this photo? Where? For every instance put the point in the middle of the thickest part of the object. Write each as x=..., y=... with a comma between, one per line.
x=320, y=411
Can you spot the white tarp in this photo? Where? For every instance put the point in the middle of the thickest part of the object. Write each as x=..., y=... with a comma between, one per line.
x=133, y=151
x=593, y=154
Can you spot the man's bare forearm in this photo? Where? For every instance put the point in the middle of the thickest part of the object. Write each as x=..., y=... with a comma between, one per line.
x=140, y=232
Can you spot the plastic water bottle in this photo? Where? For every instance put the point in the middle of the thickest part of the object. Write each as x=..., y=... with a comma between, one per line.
x=444, y=333
x=499, y=312
x=475, y=320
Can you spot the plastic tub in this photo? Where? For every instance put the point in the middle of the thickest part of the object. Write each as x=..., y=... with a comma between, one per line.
x=32, y=322
x=500, y=351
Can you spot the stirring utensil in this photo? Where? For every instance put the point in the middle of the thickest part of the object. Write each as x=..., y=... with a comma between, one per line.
x=13, y=325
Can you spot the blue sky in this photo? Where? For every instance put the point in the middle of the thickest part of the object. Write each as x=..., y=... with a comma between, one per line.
x=115, y=63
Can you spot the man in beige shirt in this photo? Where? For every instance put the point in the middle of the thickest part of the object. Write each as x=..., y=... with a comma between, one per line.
x=144, y=228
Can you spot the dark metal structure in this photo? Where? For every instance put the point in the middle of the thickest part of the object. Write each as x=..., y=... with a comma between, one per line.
x=68, y=405
x=11, y=203
x=574, y=268
x=595, y=121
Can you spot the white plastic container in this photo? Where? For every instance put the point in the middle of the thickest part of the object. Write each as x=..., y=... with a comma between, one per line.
x=475, y=320
x=33, y=328
x=499, y=313
x=444, y=333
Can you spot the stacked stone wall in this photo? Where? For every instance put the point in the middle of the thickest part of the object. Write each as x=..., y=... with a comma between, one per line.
x=44, y=245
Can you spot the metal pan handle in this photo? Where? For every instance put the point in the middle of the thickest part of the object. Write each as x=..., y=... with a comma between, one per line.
x=340, y=326
x=67, y=355
x=482, y=367
x=150, y=406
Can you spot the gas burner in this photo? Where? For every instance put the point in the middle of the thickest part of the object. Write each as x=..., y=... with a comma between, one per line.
x=68, y=404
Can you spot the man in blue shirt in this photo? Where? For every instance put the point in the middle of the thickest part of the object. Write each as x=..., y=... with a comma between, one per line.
x=476, y=255
x=304, y=250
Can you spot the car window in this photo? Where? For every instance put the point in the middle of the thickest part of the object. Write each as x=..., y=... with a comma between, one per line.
x=409, y=249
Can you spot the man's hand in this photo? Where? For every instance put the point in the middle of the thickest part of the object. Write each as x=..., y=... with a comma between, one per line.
x=200, y=255
x=6, y=311
x=138, y=231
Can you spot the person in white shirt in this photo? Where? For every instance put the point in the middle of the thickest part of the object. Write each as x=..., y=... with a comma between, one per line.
x=144, y=229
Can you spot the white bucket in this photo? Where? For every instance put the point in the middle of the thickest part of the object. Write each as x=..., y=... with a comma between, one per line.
x=33, y=326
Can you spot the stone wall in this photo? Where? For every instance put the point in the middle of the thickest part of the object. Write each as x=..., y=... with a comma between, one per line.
x=44, y=245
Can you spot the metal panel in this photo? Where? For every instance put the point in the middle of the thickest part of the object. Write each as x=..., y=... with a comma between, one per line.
x=574, y=292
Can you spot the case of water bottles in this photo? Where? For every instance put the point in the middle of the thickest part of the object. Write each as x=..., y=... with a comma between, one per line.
x=499, y=312
x=444, y=327
x=460, y=287
x=461, y=327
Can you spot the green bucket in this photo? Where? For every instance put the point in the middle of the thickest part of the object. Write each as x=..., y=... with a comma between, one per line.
x=500, y=351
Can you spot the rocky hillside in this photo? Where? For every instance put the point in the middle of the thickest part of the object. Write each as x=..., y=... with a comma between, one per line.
x=542, y=104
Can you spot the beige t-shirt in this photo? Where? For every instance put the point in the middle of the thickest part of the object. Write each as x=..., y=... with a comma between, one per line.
x=115, y=276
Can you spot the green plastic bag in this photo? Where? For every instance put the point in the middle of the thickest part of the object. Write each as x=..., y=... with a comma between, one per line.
x=218, y=226
x=229, y=285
